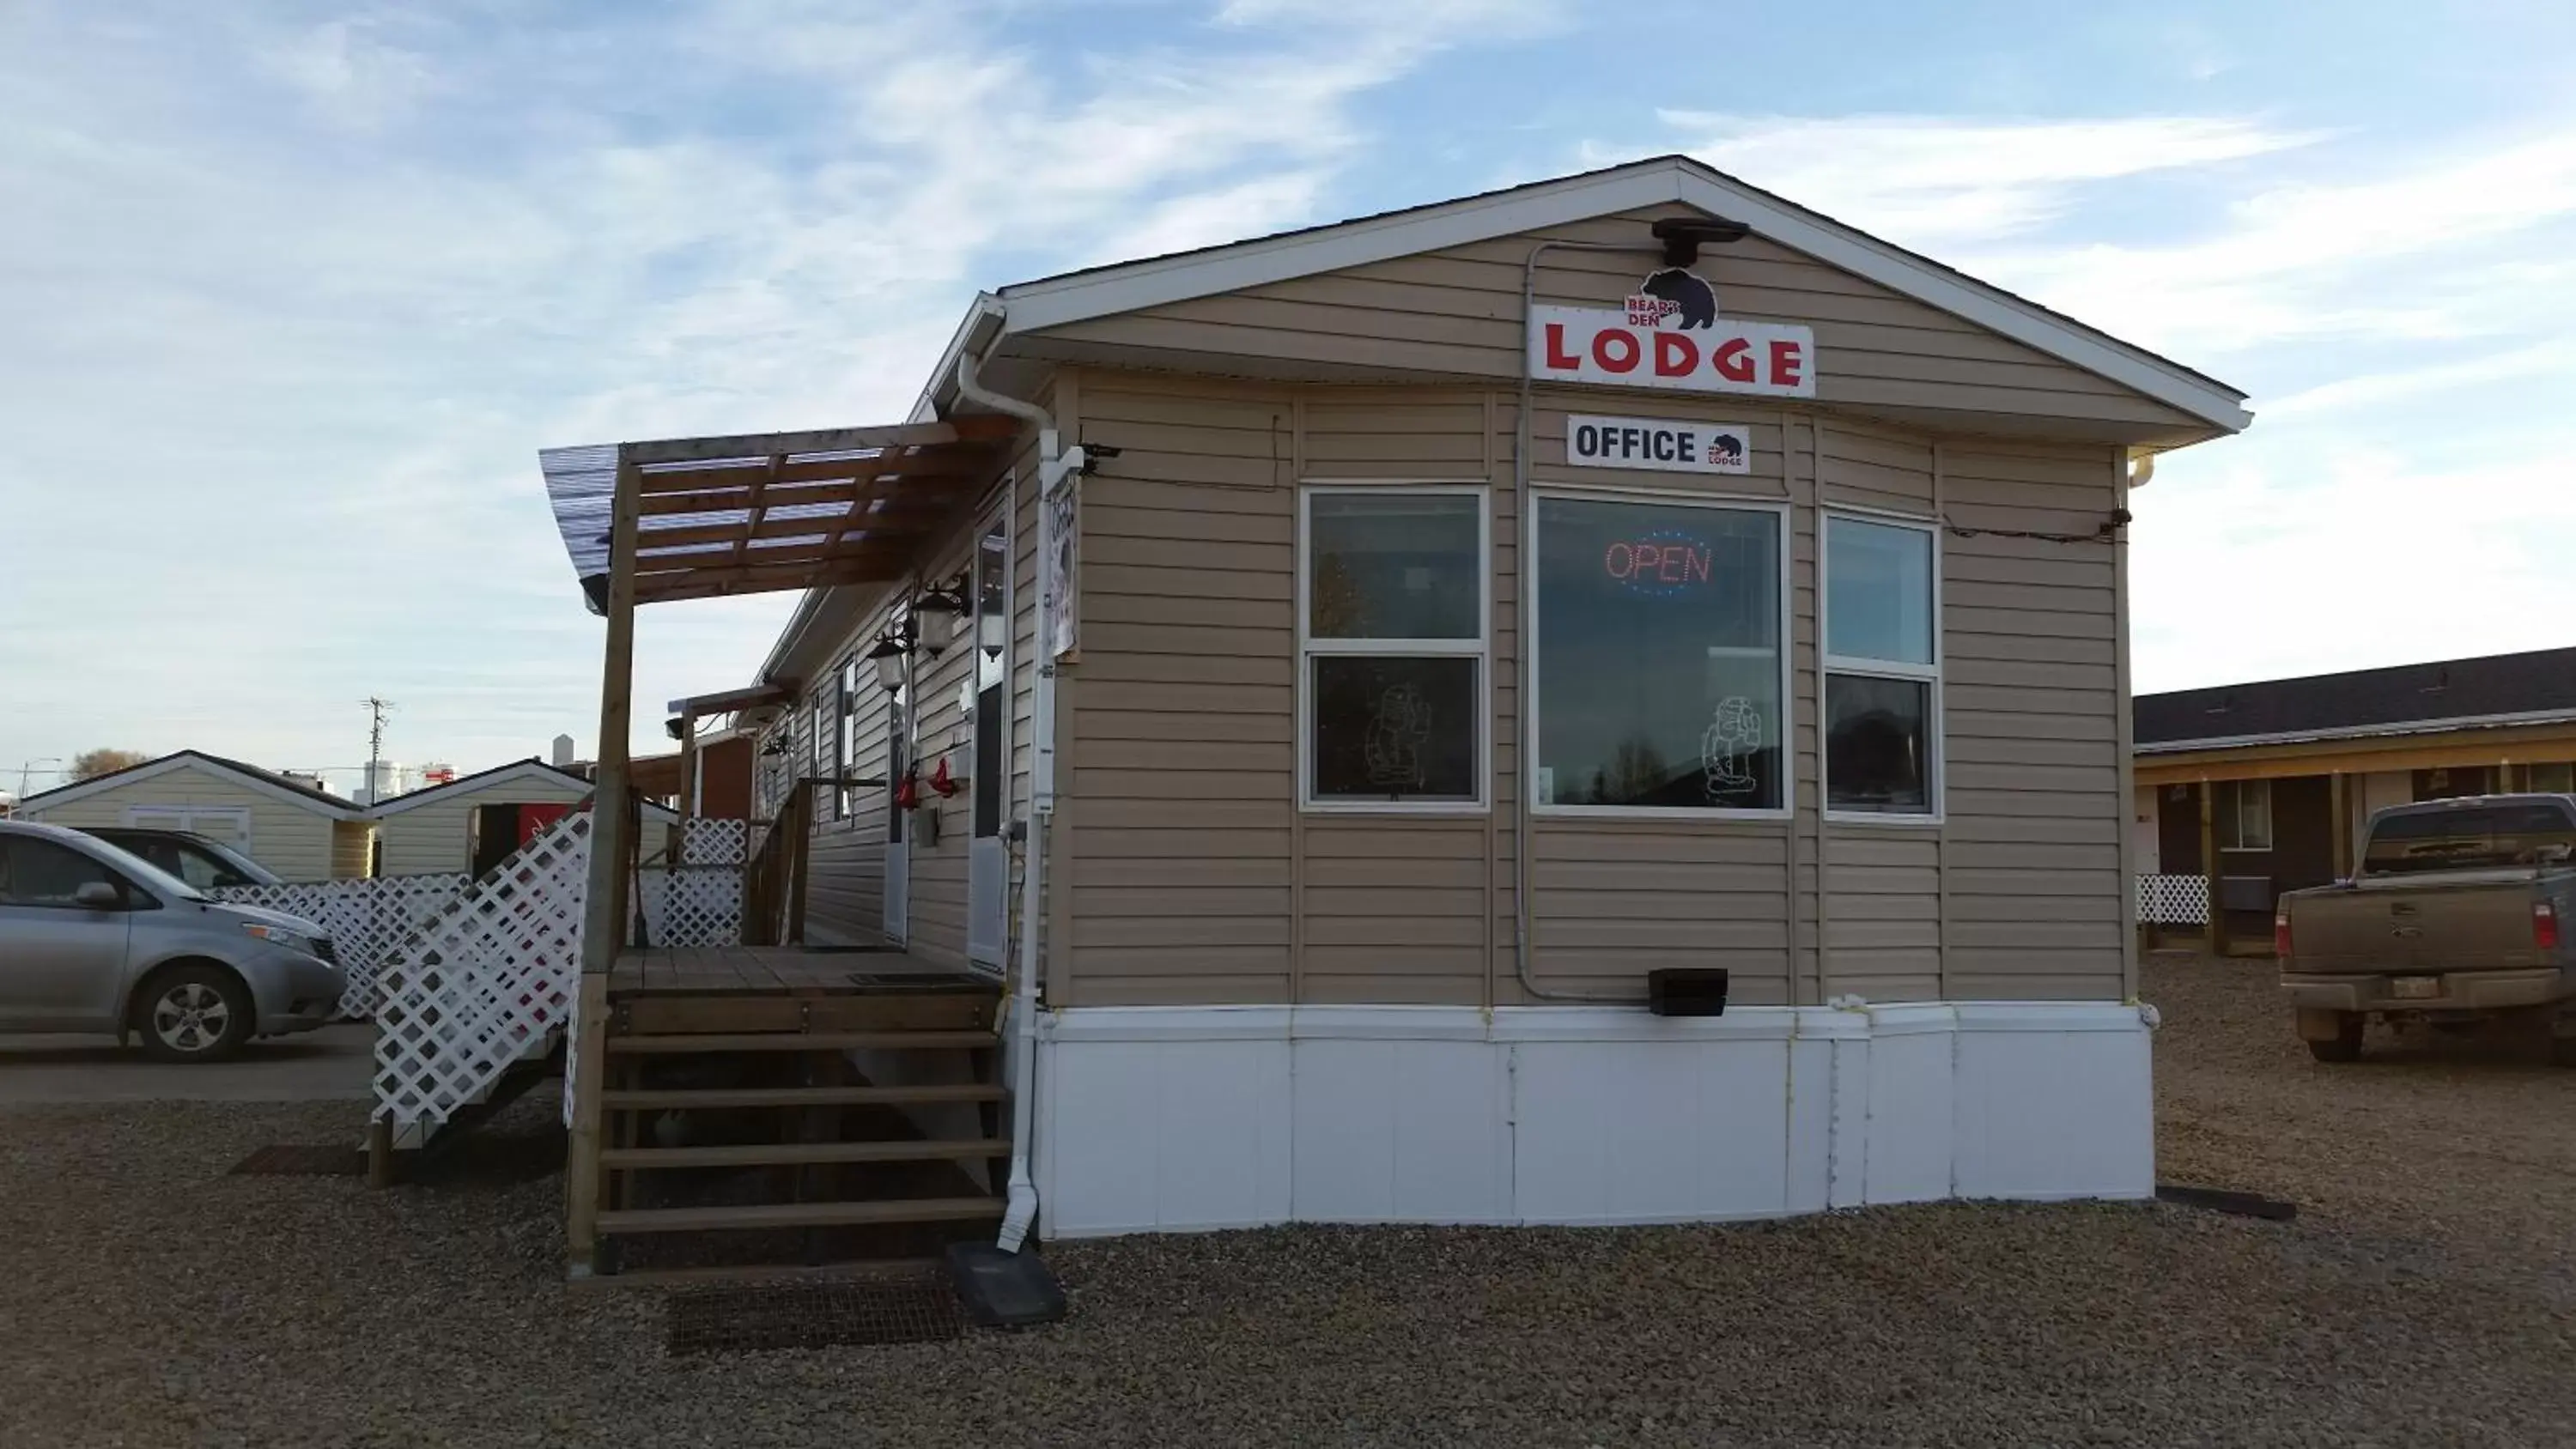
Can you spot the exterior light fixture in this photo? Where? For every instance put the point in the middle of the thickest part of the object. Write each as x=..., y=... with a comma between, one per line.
x=890, y=657
x=948, y=598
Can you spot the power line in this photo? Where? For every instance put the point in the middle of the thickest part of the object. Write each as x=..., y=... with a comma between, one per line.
x=377, y=709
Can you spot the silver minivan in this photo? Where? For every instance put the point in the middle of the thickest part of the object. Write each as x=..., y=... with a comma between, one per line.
x=93, y=939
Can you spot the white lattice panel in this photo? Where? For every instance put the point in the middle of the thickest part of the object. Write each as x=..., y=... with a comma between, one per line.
x=367, y=919
x=485, y=984
x=715, y=842
x=2173, y=900
x=693, y=906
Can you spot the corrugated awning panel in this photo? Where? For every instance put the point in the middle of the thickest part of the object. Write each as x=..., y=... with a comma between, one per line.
x=752, y=514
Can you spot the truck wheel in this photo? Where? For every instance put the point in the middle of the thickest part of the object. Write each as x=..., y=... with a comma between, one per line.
x=2345, y=1044
x=194, y=1014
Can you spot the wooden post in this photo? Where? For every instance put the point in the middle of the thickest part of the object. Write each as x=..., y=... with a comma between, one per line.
x=799, y=843
x=688, y=786
x=603, y=929
x=2217, y=923
x=2339, y=810
x=380, y=1152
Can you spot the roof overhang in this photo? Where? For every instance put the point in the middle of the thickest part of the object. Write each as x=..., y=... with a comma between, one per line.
x=763, y=512
x=1107, y=291
x=732, y=701
x=61, y=795
x=2394, y=730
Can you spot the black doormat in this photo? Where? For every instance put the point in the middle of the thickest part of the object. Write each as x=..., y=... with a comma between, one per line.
x=812, y=1315
x=297, y=1161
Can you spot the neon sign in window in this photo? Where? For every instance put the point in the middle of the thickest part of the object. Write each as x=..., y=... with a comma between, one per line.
x=1660, y=563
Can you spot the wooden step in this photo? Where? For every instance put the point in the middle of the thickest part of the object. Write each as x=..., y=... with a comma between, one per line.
x=855, y=1270
x=801, y=1215
x=768, y=1154
x=804, y=1041
x=645, y=1100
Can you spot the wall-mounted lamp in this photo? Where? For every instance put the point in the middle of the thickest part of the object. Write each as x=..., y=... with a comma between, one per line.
x=890, y=656
x=947, y=598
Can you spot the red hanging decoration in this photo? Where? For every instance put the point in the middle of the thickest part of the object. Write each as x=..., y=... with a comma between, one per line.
x=941, y=781
x=907, y=791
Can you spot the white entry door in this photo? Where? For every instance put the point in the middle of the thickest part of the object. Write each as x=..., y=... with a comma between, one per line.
x=988, y=855
x=898, y=853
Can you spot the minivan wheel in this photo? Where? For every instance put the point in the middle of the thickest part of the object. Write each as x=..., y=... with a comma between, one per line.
x=195, y=1014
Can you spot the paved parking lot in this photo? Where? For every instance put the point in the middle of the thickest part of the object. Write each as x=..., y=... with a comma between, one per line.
x=319, y=1066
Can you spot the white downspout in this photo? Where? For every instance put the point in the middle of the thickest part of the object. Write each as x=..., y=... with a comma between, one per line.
x=1053, y=465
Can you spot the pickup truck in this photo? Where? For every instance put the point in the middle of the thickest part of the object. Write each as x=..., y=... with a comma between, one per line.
x=2455, y=916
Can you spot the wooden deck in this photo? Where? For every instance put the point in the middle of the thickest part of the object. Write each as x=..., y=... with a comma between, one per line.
x=776, y=971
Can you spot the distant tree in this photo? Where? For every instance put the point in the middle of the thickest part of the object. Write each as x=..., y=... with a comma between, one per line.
x=90, y=764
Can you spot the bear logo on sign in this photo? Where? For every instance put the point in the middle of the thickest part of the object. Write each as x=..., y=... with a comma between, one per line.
x=1687, y=293
x=1725, y=449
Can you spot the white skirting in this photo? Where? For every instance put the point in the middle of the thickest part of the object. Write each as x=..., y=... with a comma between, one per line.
x=1165, y=1119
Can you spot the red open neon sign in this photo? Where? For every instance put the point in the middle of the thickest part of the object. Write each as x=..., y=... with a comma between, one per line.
x=1663, y=561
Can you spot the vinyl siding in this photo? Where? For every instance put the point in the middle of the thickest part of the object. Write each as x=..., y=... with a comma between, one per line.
x=1457, y=313
x=1196, y=878
x=293, y=841
x=435, y=837
x=846, y=891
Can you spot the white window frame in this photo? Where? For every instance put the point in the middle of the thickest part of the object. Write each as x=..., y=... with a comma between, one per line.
x=2236, y=818
x=849, y=679
x=1529, y=733
x=1830, y=664
x=1480, y=648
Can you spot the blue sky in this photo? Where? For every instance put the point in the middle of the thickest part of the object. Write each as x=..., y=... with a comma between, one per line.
x=293, y=292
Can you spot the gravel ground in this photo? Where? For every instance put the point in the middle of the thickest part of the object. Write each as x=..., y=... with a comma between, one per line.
x=2424, y=1296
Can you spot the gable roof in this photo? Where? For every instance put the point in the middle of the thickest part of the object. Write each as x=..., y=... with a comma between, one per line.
x=252, y=777
x=1209, y=271
x=531, y=768
x=2538, y=687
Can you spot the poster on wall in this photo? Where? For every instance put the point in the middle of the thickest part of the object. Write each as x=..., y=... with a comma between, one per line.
x=1059, y=592
x=1664, y=445
x=1669, y=335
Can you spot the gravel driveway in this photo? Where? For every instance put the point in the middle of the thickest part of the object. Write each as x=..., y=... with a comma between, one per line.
x=2424, y=1296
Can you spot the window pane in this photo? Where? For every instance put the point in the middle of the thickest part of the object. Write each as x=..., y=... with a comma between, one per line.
x=42, y=873
x=2559, y=779
x=1394, y=566
x=992, y=606
x=1658, y=655
x=991, y=765
x=1878, y=736
x=1878, y=599
x=1389, y=728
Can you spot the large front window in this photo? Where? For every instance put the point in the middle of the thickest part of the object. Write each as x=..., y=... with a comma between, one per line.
x=1882, y=668
x=1393, y=654
x=1658, y=656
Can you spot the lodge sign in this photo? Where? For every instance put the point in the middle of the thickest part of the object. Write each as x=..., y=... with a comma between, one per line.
x=1669, y=336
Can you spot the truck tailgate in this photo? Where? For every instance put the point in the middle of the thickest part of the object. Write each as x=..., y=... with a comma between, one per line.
x=2422, y=929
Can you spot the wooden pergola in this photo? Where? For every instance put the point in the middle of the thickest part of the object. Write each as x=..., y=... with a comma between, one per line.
x=701, y=518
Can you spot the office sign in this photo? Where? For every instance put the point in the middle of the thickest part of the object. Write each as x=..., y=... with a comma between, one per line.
x=1661, y=444
x=1670, y=336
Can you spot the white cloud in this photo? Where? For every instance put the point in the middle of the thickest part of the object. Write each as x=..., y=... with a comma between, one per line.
x=2377, y=549
x=2403, y=252
x=2410, y=387
x=292, y=307
x=1933, y=181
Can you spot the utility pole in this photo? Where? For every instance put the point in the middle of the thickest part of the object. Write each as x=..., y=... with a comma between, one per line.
x=377, y=709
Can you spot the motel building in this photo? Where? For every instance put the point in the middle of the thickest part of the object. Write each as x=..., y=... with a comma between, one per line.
x=1600, y=702
x=2244, y=791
